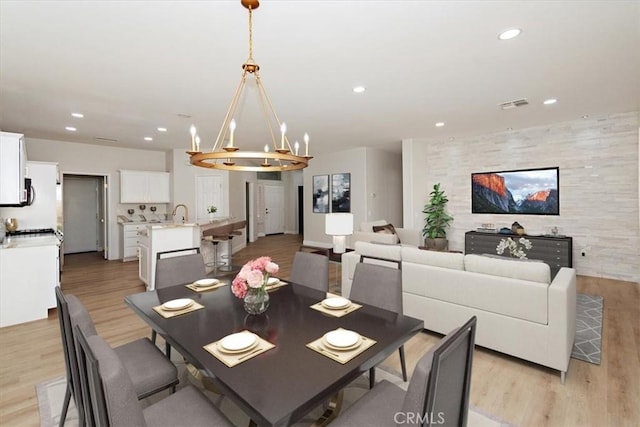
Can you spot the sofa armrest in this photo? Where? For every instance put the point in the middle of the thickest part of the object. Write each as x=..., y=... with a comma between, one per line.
x=562, y=315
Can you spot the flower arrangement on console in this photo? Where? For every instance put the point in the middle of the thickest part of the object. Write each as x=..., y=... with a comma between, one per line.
x=516, y=249
x=253, y=276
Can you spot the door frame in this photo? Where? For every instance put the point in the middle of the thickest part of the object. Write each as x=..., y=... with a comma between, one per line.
x=105, y=206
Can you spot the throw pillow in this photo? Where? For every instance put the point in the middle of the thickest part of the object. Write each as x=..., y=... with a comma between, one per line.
x=386, y=229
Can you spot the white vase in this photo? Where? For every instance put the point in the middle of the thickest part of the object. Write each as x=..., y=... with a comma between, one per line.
x=212, y=216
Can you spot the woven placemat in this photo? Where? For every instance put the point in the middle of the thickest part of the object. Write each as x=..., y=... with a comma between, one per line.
x=342, y=356
x=168, y=314
x=275, y=286
x=195, y=288
x=233, y=359
x=336, y=313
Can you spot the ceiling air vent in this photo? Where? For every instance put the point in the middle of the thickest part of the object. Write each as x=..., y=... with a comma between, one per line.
x=513, y=104
x=99, y=138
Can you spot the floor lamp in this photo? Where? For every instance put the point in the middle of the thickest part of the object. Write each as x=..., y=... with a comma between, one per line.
x=339, y=225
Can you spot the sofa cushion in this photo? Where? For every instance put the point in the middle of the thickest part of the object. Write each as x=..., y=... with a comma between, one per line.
x=433, y=258
x=386, y=229
x=368, y=226
x=532, y=271
x=519, y=299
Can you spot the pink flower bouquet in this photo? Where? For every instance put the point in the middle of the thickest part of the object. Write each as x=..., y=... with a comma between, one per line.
x=253, y=275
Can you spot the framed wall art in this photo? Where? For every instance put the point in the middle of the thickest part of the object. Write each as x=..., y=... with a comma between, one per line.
x=341, y=192
x=321, y=194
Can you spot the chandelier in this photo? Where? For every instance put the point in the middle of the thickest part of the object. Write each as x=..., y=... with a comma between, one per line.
x=280, y=156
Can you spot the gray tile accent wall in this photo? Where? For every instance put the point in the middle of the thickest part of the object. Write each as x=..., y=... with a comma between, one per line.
x=599, y=166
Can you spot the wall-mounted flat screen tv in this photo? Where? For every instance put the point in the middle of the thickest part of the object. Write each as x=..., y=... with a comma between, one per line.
x=526, y=192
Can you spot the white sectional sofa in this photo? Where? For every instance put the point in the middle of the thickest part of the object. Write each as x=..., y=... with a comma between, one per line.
x=520, y=310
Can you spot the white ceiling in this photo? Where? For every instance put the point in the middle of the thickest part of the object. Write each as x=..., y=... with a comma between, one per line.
x=131, y=66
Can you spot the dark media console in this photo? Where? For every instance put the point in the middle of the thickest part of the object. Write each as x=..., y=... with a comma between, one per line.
x=555, y=251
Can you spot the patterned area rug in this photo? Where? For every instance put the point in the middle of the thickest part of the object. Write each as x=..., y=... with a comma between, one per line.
x=51, y=394
x=588, y=343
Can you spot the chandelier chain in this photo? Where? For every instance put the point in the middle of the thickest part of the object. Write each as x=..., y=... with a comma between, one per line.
x=250, y=34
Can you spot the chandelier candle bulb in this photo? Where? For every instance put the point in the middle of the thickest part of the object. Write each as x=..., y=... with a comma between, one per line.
x=306, y=144
x=232, y=129
x=192, y=131
x=296, y=146
x=283, y=130
x=197, y=143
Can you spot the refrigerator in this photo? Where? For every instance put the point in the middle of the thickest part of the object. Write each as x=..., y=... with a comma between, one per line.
x=43, y=212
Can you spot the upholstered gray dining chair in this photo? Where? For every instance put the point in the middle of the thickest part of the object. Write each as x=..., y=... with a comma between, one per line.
x=113, y=395
x=74, y=388
x=177, y=270
x=310, y=270
x=150, y=370
x=381, y=287
x=180, y=269
x=438, y=392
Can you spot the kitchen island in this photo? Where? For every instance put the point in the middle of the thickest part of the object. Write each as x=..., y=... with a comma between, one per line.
x=161, y=238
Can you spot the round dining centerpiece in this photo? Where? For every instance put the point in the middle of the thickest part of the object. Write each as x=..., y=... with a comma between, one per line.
x=256, y=301
x=177, y=304
x=336, y=303
x=342, y=340
x=251, y=282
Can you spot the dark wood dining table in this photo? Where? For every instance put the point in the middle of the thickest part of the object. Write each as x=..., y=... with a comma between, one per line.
x=284, y=384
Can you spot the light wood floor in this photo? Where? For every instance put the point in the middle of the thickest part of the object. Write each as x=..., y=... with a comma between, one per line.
x=518, y=392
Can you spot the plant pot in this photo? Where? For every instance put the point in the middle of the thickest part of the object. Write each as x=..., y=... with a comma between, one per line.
x=437, y=244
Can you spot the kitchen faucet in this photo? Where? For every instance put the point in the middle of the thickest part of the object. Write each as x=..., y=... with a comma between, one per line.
x=186, y=212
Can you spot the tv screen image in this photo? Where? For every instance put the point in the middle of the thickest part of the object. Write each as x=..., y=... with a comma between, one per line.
x=527, y=191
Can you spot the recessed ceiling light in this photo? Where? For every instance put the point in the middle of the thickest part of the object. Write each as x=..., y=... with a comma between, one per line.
x=550, y=101
x=509, y=34
x=161, y=129
x=359, y=89
x=77, y=115
x=586, y=116
x=509, y=128
x=148, y=138
x=439, y=124
x=71, y=129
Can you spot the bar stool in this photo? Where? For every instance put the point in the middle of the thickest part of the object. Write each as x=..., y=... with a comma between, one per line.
x=235, y=229
x=221, y=234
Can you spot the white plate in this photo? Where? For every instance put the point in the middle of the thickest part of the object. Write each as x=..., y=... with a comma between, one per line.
x=272, y=281
x=336, y=303
x=206, y=282
x=238, y=342
x=177, y=304
x=342, y=338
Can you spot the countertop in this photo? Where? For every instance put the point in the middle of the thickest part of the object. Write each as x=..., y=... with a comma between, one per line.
x=12, y=242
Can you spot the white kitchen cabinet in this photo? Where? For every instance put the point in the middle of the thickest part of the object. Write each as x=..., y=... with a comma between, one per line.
x=129, y=239
x=144, y=187
x=144, y=263
x=29, y=273
x=13, y=159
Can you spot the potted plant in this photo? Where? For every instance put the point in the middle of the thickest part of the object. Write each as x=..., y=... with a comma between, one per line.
x=212, y=212
x=437, y=220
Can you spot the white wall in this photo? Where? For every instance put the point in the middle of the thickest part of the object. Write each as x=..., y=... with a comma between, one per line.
x=599, y=185
x=101, y=160
x=373, y=171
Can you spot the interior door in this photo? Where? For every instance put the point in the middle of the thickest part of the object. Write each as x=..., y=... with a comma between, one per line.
x=208, y=193
x=274, y=209
x=80, y=214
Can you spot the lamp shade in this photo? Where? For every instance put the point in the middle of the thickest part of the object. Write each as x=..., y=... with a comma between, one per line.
x=338, y=224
